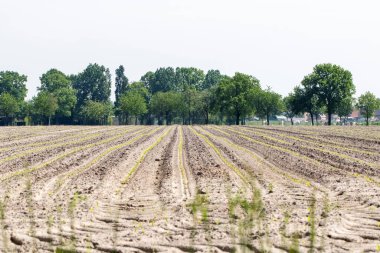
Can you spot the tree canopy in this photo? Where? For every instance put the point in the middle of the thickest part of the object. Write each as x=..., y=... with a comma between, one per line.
x=14, y=84
x=368, y=103
x=331, y=84
x=235, y=95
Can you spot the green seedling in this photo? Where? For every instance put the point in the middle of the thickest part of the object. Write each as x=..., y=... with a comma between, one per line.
x=312, y=220
x=76, y=199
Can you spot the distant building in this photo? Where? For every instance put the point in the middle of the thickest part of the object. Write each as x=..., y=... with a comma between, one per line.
x=355, y=114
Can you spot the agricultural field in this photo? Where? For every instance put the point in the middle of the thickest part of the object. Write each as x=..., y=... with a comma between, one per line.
x=189, y=189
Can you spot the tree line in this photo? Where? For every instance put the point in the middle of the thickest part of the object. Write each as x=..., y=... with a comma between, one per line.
x=176, y=95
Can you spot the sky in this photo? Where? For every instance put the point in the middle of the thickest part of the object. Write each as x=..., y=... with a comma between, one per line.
x=277, y=41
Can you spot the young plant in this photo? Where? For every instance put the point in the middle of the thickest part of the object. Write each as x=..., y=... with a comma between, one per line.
x=312, y=220
x=31, y=216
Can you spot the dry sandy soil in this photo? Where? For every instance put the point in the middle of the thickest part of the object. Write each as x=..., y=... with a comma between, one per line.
x=189, y=189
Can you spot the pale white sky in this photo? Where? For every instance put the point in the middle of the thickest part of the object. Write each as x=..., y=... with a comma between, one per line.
x=278, y=41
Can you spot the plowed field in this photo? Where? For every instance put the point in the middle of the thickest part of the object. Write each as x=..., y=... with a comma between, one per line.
x=189, y=189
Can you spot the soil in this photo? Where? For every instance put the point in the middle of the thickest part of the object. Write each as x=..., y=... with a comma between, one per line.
x=189, y=189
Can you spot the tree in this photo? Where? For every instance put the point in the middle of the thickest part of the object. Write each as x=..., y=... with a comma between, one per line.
x=54, y=80
x=235, y=95
x=189, y=78
x=9, y=106
x=14, y=84
x=212, y=78
x=133, y=103
x=94, y=83
x=45, y=104
x=163, y=79
x=345, y=108
x=331, y=83
x=165, y=104
x=368, y=104
x=306, y=100
x=267, y=103
x=94, y=112
x=205, y=102
x=60, y=85
x=121, y=83
x=290, y=105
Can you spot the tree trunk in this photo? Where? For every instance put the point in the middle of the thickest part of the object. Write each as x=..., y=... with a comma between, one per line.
x=206, y=119
x=312, y=119
x=237, y=118
x=136, y=120
x=367, y=121
x=329, y=120
x=49, y=120
x=267, y=119
x=291, y=121
x=167, y=118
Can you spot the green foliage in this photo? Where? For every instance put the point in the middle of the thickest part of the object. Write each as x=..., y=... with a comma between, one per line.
x=9, y=106
x=45, y=104
x=189, y=78
x=267, y=103
x=94, y=83
x=14, y=84
x=235, y=95
x=133, y=103
x=163, y=79
x=121, y=83
x=58, y=84
x=368, y=103
x=165, y=104
x=212, y=78
x=54, y=80
x=331, y=84
x=345, y=107
x=290, y=105
x=96, y=112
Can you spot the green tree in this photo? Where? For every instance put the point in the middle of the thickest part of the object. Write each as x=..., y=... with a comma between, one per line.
x=345, y=108
x=331, y=83
x=94, y=112
x=368, y=104
x=133, y=103
x=94, y=83
x=14, y=84
x=212, y=78
x=186, y=78
x=58, y=84
x=267, y=103
x=165, y=105
x=163, y=79
x=121, y=83
x=235, y=95
x=9, y=106
x=307, y=100
x=290, y=109
x=54, y=80
x=45, y=104
x=205, y=102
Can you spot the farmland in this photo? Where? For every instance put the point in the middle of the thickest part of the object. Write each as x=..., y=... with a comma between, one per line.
x=189, y=188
